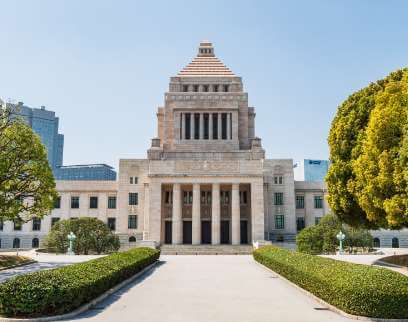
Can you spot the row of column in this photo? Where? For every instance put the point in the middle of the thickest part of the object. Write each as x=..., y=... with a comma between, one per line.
x=210, y=126
x=177, y=221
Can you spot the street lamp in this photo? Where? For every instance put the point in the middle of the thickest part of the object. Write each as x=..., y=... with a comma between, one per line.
x=340, y=236
x=71, y=239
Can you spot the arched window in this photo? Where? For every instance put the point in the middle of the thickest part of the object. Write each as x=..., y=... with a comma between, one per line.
x=132, y=239
x=16, y=243
x=395, y=242
x=376, y=242
x=35, y=243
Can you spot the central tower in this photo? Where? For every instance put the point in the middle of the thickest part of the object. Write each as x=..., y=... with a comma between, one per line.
x=205, y=111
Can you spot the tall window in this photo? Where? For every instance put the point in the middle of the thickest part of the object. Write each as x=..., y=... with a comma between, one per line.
x=300, y=202
x=300, y=223
x=75, y=202
x=318, y=202
x=112, y=202
x=16, y=243
x=196, y=126
x=278, y=179
x=132, y=222
x=215, y=126
x=243, y=198
x=36, y=224
x=317, y=220
x=278, y=198
x=93, y=202
x=112, y=223
x=168, y=198
x=18, y=224
x=215, y=88
x=224, y=126
x=195, y=88
x=225, y=197
x=206, y=126
x=185, y=88
x=205, y=88
x=133, y=198
x=54, y=220
x=206, y=197
x=57, y=203
x=226, y=88
x=35, y=243
x=279, y=222
x=187, y=197
x=187, y=126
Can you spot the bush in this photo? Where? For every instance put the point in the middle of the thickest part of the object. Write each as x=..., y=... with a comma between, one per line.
x=356, y=289
x=93, y=236
x=60, y=290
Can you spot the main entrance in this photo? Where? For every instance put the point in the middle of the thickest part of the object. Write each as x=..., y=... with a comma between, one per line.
x=187, y=232
x=225, y=232
x=167, y=232
x=206, y=232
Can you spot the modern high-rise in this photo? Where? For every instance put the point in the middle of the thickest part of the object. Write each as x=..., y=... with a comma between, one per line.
x=311, y=170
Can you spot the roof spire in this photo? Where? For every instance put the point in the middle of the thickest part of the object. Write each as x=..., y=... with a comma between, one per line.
x=206, y=49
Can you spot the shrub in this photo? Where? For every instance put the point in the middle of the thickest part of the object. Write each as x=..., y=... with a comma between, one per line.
x=93, y=235
x=60, y=290
x=354, y=288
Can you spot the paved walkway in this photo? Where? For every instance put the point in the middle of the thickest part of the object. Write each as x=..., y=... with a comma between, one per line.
x=44, y=261
x=209, y=288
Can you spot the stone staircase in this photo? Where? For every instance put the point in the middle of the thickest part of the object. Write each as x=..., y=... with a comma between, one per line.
x=206, y=249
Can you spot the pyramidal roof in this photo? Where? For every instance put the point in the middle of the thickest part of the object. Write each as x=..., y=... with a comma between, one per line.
x=205, y=63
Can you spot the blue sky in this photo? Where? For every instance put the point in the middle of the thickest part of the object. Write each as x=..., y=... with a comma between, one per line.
x=104, y=66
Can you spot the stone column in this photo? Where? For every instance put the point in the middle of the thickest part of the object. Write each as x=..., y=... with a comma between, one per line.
x=196, y=217
x=210, y=126
x=192, y=126
x=183, y=126
x=219, y=136
x=257, y=210
x=177, y=221
x=215, y=214
x=228, y=126
x=146, y=212
x=155, y=199
x=201, y=126
x=235, y=215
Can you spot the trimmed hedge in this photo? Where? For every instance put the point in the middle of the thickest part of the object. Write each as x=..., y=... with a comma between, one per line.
x=356, y=289
x=58, y=291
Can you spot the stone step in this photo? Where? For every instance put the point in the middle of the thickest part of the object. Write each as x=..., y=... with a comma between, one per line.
x=206, y=249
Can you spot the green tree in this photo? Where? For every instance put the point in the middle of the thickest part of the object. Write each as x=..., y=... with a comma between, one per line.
x=27, y=186
x=93, y=236
x=367, y=181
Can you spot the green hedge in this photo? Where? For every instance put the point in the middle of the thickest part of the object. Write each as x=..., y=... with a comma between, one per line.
x=356, y=289
x=60, y=290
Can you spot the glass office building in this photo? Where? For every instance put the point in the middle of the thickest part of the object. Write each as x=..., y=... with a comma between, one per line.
x=85, y=172
x=311, y=170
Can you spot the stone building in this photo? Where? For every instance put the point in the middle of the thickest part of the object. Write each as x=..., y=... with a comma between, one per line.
x=205, y=179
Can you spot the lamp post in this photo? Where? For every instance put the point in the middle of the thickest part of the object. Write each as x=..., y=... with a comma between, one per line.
x=71, y=239
x=340, y=236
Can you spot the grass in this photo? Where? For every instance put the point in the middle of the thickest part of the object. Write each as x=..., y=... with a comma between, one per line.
x=12, y=260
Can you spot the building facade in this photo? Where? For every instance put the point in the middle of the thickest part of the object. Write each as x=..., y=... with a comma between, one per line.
x=311, y=170
x=205, y=179
x=85, y=172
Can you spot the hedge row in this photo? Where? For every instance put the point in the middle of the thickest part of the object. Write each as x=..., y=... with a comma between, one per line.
x=355, y=289
x=60, y=290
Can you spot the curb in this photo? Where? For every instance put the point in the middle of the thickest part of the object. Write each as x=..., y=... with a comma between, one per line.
x=327, y=305
x=86, y=306
x=18, y=265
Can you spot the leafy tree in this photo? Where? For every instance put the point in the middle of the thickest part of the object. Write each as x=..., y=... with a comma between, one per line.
x=309, y=240
x=27, y=186
x=367, y=181
x=92, y=236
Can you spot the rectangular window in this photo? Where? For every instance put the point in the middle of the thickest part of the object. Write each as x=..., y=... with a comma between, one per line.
x=205, y=88
x=36, y=224
x=300, y=202
x=57, y=203
x=74, y=202
x=275, y=180
x=112, y=223
x=133, y=198
x=300, y=223
x=54, y=220
x=317, y=220
x=279, y=222
x=206, y=197
x=112, y=202
x=215, y=126
x=185, y=88
x=131, y=180
x=196, y=126
x=1, y=224
x=187, y=197
x=225, y=198
x=278, y=198
x=280, y=180
x=224, y=126
x=187, y=125
x=93, y=202
x=206, y=126
x=18, y=224
x=168, y=199
x=135, y=180
x=215, y=88
x=243, y=197
x=318, y=202
x=226, y=88
x=132, y=222
x=195, y=88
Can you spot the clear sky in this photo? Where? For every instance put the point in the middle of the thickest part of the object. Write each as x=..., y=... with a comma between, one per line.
x=103, y=66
